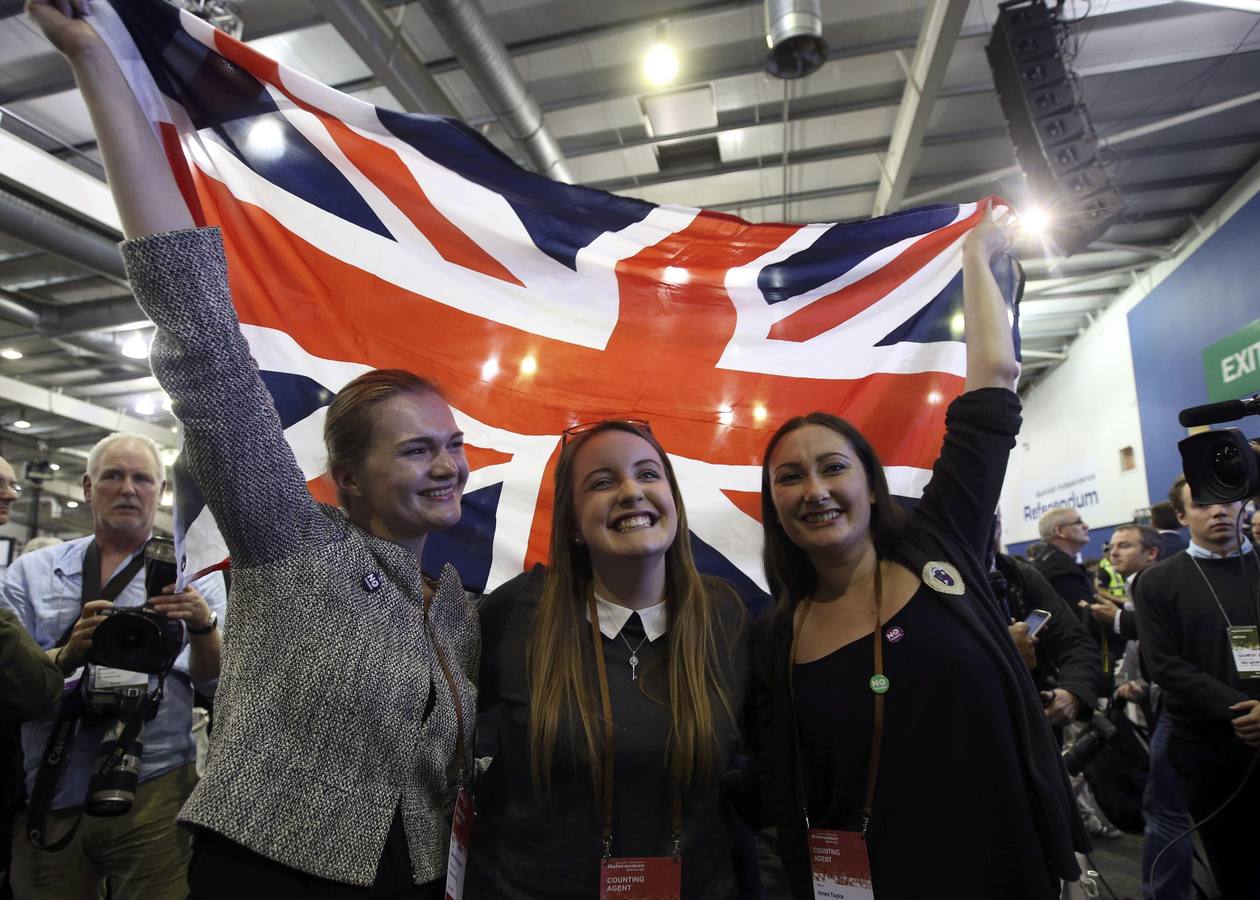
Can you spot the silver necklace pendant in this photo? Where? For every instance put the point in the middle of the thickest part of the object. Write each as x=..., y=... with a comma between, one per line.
x=634, y=656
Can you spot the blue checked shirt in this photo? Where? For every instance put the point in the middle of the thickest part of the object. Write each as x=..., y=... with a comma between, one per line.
x=44, y=589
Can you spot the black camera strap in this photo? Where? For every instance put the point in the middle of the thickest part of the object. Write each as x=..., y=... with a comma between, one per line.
x=61, y=741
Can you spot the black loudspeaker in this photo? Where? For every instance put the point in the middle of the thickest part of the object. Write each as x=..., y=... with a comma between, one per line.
x=1054, y=140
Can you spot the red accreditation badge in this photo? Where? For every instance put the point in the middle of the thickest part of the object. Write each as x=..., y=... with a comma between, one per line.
x=641, y=878
x=461, y=835
x=840, y=866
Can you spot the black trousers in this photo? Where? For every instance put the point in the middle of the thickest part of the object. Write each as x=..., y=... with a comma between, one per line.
x=1210, y=771
x=224, y=870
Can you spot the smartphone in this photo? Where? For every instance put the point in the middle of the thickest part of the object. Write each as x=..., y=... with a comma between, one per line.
x=1036, y=621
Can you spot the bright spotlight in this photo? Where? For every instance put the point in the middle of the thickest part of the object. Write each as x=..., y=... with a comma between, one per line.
x=144, y=406
x=661, y=64
x=11, y=353
x=934, y=397
x=489, y=369
x=21, y=423
x=136, y=347
x=957, y=324
x=529, y=365
x=676, y=275
x=1034, y=222
x=72, y=504
x=726, y=415
x=759, y=413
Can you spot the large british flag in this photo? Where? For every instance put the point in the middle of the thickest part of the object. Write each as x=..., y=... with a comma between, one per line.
x=361, y=238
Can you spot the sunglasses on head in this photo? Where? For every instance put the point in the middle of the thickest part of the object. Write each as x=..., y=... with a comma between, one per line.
x=582, y=428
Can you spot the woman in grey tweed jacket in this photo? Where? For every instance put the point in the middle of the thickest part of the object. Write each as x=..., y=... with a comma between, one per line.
x=348, y=692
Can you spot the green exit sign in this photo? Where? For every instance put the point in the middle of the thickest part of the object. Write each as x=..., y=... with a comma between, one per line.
x=1232, y=364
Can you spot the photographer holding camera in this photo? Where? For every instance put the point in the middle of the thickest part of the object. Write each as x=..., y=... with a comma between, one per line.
x=121, y=747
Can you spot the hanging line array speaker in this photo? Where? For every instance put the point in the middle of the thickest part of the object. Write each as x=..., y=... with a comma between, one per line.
x=1049, y=125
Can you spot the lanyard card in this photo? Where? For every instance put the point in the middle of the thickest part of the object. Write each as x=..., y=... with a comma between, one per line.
x=1244, y=640
x=461, y=836
x=839, y=865
x=641, y=878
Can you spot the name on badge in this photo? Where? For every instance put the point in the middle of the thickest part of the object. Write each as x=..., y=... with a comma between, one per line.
x=840, y=867
x=641, y=878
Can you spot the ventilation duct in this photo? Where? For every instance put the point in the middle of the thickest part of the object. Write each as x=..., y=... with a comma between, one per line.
x=794, y=35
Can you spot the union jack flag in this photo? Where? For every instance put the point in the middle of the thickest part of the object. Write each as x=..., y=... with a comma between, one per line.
x=359, y=238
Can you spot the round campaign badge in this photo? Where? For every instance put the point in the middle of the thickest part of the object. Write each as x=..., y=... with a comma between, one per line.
x=943, y=578
x=880, y=684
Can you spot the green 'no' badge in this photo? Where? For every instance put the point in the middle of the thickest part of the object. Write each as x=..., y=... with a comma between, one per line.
x=879, y=684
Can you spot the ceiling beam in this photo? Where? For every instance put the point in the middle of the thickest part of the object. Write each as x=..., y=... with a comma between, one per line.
x=389, y=52
x=924, y=78
x=32, y=397
x=1212, y=109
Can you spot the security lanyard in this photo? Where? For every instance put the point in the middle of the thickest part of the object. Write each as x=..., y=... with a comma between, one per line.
x=606, y=798
x=878, y=684
x=1242, y=561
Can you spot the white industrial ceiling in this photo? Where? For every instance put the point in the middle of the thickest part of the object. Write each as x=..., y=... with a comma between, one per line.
x=714, y=137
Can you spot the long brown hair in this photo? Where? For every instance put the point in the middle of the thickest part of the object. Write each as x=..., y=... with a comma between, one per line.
x=790, y=573
x=348, y=423
x=562, y=692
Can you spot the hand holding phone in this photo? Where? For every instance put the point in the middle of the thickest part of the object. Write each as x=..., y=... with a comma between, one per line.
x=1037, y=620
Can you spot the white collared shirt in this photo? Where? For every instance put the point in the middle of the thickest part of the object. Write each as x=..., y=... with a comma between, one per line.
x=1204, y=553
x=613, y=618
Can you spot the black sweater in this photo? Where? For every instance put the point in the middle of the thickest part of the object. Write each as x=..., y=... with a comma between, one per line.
x=951, y=524
x=530, y=846
x=1185, y=644
x=1067, y=657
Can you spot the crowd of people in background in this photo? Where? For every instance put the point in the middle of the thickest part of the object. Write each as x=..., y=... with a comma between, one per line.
x=906, y=716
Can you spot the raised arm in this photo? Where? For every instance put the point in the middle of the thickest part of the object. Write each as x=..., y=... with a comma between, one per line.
x=990, y=347
x=148, y=199
x=233, y=438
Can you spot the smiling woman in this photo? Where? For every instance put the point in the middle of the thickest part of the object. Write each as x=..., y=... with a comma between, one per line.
x=901, y=726
x=615, y=678
x=347, y=694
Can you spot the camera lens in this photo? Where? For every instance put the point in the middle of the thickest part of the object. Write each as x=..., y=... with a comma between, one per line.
x=1227, y=465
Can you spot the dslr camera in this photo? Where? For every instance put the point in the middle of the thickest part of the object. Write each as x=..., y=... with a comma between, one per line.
x=138, y=640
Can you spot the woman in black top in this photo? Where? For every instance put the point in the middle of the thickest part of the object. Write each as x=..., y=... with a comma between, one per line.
x=674, y=649
x=970, y=798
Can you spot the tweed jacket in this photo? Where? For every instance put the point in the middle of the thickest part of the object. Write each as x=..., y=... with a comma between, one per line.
x=332, y=709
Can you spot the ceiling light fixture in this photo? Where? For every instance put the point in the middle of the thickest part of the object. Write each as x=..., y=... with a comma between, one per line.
x=11, y=353
x=136, y=347
x=660, y=66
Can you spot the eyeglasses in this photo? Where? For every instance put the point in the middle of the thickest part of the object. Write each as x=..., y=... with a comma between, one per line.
x=1070, y=524
x=582, y=428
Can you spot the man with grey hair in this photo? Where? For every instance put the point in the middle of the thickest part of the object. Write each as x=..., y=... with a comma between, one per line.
x=8, y=490
x=1065, y=534
x=59, y=594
